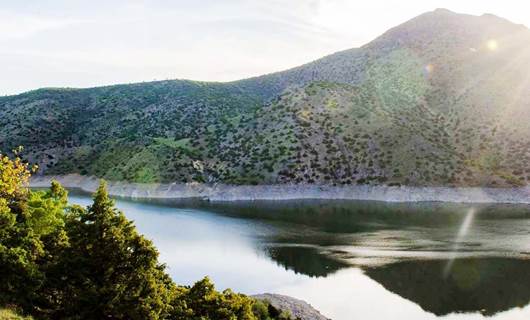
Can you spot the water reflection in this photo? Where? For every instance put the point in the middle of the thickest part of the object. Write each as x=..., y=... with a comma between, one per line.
x=488, y=285
x=305, y=260
x=363, y=232
x=364, y=260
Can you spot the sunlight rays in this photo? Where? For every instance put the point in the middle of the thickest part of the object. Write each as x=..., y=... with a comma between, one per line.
x=507, y=82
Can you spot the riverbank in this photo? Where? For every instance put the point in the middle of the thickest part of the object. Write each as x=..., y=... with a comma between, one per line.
x=221, y=192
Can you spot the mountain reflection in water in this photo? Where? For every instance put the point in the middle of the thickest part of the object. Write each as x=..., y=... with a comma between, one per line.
x=485, y=285
x=305, y=260
x=352, y=259
x=488, y=285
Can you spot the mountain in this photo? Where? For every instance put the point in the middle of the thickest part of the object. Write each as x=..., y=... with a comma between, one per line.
x=441, y=100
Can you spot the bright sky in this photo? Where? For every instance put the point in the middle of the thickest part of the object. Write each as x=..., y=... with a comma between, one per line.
x=58, y=43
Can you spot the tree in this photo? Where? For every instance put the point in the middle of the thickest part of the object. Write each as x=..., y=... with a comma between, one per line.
x=46, y=218
x=117, y=273
x=202, y=301
x=67, y=262
x=46, y=209
x=25, y=226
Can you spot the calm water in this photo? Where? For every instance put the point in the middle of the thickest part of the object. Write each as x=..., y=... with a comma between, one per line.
x=352, y=260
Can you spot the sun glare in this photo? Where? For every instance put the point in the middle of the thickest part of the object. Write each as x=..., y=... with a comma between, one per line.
x=493, y=45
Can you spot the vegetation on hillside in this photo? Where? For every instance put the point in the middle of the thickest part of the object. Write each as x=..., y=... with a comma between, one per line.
x=339, y=134
x=61, y=261
x=428, y=103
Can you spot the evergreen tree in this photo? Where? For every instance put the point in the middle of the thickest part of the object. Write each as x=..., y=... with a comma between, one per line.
x=117, y=273
x=67, y=262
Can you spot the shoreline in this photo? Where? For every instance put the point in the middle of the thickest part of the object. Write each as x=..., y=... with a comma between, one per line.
x=228, y=193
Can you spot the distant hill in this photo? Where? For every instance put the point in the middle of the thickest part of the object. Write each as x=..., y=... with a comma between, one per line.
x=443, y=99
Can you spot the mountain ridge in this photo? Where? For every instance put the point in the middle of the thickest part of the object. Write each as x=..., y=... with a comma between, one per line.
x=439, y=100
x=346, y=52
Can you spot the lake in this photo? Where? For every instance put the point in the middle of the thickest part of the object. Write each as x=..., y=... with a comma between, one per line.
x=351, y=259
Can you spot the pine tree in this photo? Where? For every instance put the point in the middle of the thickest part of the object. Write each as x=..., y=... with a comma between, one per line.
x=115, y=271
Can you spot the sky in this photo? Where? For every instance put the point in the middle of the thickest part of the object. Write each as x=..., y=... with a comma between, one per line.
x=71, y=43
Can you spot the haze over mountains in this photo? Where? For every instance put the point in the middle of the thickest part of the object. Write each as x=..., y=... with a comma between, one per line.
x=443, y=99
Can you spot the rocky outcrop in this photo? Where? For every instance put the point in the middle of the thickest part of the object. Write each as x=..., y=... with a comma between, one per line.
x=297, y=308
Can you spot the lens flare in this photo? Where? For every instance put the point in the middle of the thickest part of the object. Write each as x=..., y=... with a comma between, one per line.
x=429, y=68
x=492, y=44
x=462, y=232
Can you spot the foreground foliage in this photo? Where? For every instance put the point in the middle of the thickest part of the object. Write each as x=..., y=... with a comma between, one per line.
x=68, y=262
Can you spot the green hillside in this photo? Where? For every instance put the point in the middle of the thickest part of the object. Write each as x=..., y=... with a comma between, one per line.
x=442, y=99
